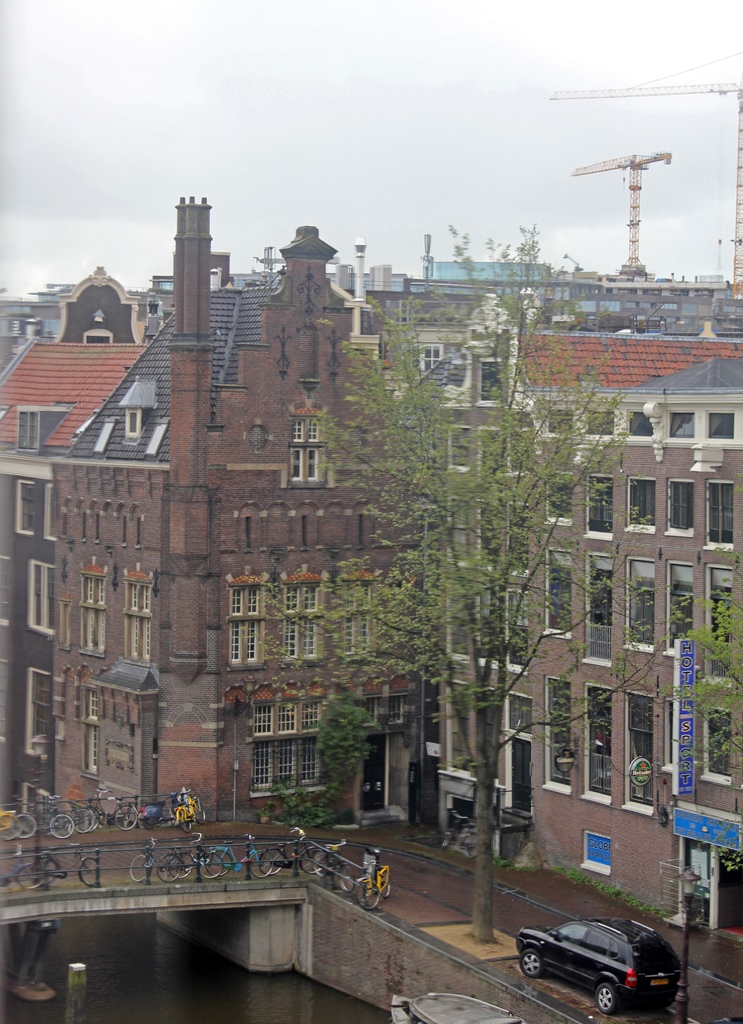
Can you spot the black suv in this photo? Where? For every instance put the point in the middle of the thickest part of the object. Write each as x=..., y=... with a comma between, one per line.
x=622, y=962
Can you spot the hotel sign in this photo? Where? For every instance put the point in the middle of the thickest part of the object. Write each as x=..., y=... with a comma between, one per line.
x=684, y=676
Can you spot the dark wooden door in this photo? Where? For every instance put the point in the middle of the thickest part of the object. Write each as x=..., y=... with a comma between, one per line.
x=521, y=775
x=372, y=794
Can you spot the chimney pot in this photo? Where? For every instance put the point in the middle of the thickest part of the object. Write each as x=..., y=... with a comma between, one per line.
x=191, y=199
x=203, y=200
x=183, y=200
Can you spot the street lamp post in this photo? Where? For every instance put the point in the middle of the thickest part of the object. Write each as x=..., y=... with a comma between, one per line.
x=38, y=747
x=688, y=879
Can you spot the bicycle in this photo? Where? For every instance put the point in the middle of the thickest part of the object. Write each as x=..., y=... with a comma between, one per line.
x=88, y=816
x=267, y=861
x=54, y=822
x=173, y=865
x=375, y=881
x=8, y=825
x=462, y=832
x=45, y=866
x=140, y=869
x=328, y=863
x=303, y=850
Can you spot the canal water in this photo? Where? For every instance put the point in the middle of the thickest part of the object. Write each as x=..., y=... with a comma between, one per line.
x=139, y=972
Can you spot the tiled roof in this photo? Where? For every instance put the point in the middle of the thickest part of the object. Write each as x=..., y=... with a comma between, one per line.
x=235, y=320
x=714, y=375
x=78, y=377
x=627, y=360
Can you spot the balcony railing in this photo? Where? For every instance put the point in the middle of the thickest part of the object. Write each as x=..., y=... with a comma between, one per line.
x=600, y=773
x=599, y=642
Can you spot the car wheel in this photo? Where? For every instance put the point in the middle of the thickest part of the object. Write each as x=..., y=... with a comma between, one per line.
x=606, y=998
x=532, y=962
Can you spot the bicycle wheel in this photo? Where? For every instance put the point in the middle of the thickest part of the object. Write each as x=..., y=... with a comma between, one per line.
x=343, y=876
x=469, y=844
x=138, y=869
x=84, y=819
x=446, y=840
x=186, y=824
x=367, y=894
x=87, y=871
x=25, y=825
x=8, y=826
x=62, y=826
x=29, y=877
x=171, y=867
x=125, y=817
x=308, y=864
x=270, y=860
x=212, y=864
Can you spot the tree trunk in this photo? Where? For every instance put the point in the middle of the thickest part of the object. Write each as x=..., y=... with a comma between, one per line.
x=482, y=911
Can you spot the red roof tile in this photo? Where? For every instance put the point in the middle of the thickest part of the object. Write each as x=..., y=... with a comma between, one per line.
x=79, y=375
x=627, y=360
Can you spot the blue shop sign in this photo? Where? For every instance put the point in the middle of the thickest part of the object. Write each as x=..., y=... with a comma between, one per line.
x=706, y=829
x=598, y=849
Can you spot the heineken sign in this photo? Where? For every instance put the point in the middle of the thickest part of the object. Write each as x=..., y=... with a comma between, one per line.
x=641, y=771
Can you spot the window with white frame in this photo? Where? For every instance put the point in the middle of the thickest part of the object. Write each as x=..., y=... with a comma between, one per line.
x=281, y=756
x=682, y=424
x=640, y=425
x=430, y=355
x=600, y=423
x=558, y=740
x=49, y=512
x=641, y=503
x=598, y=713
x=138, y=619
x=719, y=512
x=373, y=708
x=559, y=591
x=460, y=444
x=93, y=612
x=489, y=379
x=246, y=624
x=301, y=631
x=641, y=601
x=39, y=721
x=719, y=593
x=28, y=429
x=600, y=504
x=518, y=634
x=718, y=734
x=25, y=506
x=721, y=425
x=640, y=743
x=64, y=627
x=680, y=601
x=600, y=607
x=305, y=450
x=90, y=730
x=680, y=505
x=519, y=713
x=357, y=624
x=396, y=708
x=4, y=589
x=560, y=498
x=41, y=596
x=133, y=428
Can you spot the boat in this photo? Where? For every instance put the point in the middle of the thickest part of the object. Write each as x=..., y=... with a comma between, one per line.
x=448, y=1008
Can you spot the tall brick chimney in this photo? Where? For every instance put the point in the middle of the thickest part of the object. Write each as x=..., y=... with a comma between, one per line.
x=190, y=411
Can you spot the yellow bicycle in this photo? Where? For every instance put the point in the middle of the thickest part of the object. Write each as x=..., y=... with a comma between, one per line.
x=374, y=884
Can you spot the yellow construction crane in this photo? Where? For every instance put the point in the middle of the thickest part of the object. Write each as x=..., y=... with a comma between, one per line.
x=636, y=165
x=687, y=90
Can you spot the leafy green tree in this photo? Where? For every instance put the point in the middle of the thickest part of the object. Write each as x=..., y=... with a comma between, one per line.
x=477, y=471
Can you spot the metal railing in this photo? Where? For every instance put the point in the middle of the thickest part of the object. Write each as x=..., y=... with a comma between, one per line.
x=599, y=642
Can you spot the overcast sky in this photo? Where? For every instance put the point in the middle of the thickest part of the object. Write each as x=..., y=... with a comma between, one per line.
x=383, y=119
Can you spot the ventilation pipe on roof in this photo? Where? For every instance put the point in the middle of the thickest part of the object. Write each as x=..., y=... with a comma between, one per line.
x=359, y=292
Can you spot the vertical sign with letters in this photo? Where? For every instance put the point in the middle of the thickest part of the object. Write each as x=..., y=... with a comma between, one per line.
x=683, y=717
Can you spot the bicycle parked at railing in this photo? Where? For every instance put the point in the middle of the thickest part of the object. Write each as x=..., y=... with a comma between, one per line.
x=329, y=863
x=142, y=866
x=267, y=861
x=90, y=815
x=462, y=833
x=39, y=870
x=179, y=862
x=375, y=881
x=53, y=821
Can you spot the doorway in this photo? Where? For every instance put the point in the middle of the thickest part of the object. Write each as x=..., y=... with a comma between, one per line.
x=372, y=790
x=521, y=775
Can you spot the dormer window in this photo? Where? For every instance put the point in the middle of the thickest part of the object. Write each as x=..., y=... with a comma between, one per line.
x=133, y=423
x=28, y=430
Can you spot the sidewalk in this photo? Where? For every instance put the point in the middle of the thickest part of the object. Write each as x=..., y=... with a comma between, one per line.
x=434, y=891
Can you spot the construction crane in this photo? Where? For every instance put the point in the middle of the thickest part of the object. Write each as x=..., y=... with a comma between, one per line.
x=688, y=90
x=636, y=165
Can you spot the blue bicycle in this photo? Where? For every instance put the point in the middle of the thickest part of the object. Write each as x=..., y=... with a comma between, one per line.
x=266, y=861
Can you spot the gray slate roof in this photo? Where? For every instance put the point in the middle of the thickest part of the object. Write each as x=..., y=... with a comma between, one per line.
x=127, y=676
x=713, y=375
x=235, y=323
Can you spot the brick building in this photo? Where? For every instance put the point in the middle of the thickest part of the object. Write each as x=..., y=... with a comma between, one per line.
x=204, y=526
x=48, y=393
x=663, y=534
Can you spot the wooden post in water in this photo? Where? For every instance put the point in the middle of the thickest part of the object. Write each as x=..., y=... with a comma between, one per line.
x=76, y=985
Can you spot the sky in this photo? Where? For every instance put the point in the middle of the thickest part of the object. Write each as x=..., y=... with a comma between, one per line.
x=387, y=120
